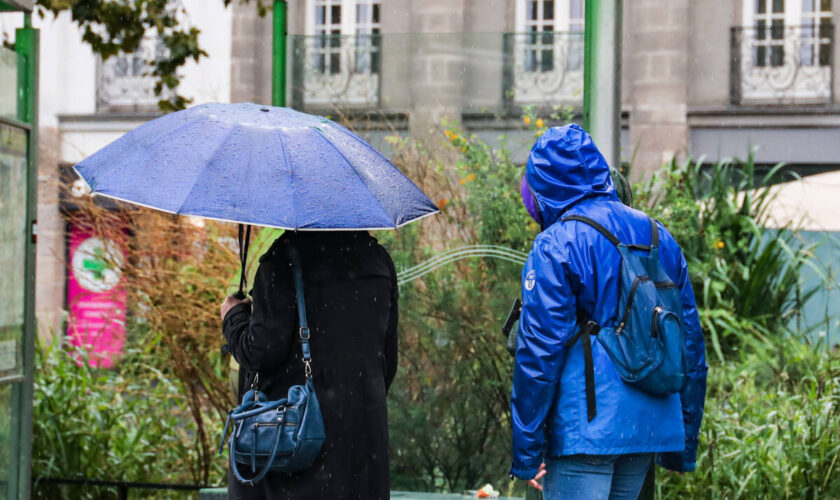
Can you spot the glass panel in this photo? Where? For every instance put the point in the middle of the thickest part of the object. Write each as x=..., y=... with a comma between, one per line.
x=533, y=11
x=777, y=56
x=826, y=28
x=576, y=9
x=761, y=7
x=548, y=10
x=335, y=12
x=825, y=5
x=547, y=61
x=807, y=5
x=8, y=82
x=778, y=6
x=761, y=56
x=376, y=13
x=335, y=63
x=6, y=392
x=320, y=14
x=12, y=246
x=777, y=29
x=362, y=13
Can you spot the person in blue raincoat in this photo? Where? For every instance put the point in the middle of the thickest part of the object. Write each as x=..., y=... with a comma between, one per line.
x=572, y=269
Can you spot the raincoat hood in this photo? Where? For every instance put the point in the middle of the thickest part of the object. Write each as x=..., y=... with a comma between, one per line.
x=564, y=167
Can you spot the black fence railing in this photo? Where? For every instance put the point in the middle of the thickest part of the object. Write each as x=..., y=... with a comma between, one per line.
x=781, y=64
x=122, y=487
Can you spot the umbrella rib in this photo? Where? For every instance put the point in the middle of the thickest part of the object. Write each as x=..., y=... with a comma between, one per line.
x=203, y=168
x=353, y=168
x=376, y=152
x=289, y=165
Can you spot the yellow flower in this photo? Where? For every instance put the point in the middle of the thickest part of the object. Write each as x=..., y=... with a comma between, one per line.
x=464, y=149
x=539, y=123
x=463, y=181
x=454, y=137
x=442, y=203
x=527, y=120
x=471, y=177
x=447, y=133
x=719, y=244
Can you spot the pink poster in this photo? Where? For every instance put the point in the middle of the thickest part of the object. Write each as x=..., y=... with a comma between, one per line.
x=95, y=297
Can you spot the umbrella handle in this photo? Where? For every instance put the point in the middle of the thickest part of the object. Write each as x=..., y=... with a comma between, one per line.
x=243, y=258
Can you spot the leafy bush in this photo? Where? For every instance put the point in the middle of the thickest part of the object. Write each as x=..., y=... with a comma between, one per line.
x=772, y=426
x=745, y=278
x=131, y=424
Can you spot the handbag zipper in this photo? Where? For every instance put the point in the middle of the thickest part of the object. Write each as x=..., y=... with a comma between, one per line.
x=272, y=424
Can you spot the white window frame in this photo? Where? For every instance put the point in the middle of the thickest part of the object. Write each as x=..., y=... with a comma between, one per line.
x=799, y=67
x=563, y=83
x=355, y=83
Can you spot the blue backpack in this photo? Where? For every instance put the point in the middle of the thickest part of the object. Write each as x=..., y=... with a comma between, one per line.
x=647, y=342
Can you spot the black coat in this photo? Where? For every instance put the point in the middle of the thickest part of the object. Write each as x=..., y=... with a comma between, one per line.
x=351, y=300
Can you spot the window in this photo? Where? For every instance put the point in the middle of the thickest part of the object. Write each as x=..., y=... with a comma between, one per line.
x=770, y=32
x=341, y=56
x=577, y=26
x=367, y=36
x=800, y=30
x=785, y=51
x=816, y=33
x=539, y=52
x=546, y=52
x=328, y=33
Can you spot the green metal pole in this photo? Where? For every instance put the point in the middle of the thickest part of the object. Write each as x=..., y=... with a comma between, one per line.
x=591, y=16
x=278, y=81
x=602, y=76
x=27, y=47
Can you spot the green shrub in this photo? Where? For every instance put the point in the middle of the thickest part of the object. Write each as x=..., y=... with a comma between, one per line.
x=746, y=279
x=129, y=424
x=771, y=428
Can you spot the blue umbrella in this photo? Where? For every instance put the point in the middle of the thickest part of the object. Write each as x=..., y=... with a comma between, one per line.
x=256, y=165
x=259, y=165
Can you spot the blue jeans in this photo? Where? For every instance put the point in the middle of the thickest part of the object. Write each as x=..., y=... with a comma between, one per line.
x=607, y=477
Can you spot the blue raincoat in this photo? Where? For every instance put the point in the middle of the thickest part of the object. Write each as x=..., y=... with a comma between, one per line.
x=573, y=266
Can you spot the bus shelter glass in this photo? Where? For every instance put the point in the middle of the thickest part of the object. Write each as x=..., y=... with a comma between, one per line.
x=8, y=82
x=12, y=248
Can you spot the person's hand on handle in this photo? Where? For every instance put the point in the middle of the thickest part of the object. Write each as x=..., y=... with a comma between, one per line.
x=535, y=483
x=229, y=302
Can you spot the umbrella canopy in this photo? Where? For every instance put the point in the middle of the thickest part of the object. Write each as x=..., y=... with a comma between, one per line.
x=255, y=164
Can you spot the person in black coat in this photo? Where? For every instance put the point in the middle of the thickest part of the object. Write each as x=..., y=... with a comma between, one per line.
x=350, y=287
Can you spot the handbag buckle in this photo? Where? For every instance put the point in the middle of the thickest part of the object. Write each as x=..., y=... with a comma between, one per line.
x=304, y=333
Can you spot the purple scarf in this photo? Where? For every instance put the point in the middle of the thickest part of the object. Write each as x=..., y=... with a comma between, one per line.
x=529, y=201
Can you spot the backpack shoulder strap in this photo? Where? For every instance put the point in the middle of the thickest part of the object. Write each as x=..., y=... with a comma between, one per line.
x=598, y=227
x=654, y=232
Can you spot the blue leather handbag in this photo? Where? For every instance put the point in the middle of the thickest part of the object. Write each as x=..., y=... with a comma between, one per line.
x=284, y=435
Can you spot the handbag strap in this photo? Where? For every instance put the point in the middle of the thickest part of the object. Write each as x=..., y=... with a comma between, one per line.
x=266, y=468
x=303, y=326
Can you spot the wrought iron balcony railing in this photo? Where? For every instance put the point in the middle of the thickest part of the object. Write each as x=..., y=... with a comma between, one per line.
x=543, y=68
x=330, y=70
x=123, y=82
x=472, y=72
x=778, y=64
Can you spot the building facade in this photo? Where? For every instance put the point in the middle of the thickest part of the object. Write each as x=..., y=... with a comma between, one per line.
x=708, y=78
x=711, y=78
